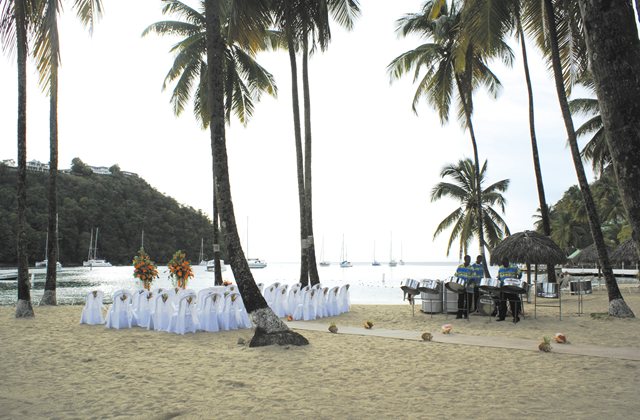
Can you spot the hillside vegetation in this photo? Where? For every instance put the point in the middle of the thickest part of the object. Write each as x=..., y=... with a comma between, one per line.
x=120, y=205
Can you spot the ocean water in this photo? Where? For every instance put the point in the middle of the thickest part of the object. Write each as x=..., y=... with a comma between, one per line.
x=368, y=284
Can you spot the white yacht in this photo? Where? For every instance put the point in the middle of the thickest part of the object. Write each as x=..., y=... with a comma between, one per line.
x=92, y=259
x=211, y=265
x=256, y=263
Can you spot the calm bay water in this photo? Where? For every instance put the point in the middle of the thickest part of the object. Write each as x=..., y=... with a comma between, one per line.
x=368, y=284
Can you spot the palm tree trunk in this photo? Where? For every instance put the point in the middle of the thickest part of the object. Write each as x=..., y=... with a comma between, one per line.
x=311, y=250
x=304, y=261
x=49, y=295
x=217, y=269
x=24, y=308
x=617, y=305
x=476, y=162
x=614, y=49
x=544, y=209
x=269, y=328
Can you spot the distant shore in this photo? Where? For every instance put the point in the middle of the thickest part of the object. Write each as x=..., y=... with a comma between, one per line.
x=55, y=367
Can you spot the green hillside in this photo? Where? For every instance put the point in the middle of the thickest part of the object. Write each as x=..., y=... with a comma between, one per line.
x=120, y=205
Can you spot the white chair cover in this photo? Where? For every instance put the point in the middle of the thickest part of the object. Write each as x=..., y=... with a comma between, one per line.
x=299, y=296
x=270, y=294
x=281, y=301
x=238, y=310
x=332, y=301
x=92, y=311
x=209, y=313
x=202, y=294
x=309, y=305
x=120, y=313
x=184, y=318
x=260, y=287
x=161, y=311
x=142, y=309
x=321, y=302
x=344, y=301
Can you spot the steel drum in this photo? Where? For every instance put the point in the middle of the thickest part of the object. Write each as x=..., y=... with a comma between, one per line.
x=456, y=284
x=580, y=287
x=547, y=290
x=514, y=286
x=429, y=286
x=486, y=305
x=489, y=284
x=410, y=286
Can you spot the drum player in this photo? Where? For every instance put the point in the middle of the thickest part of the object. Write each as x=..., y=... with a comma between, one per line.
x=473, y=288
x=464, y=272
x=507, y=271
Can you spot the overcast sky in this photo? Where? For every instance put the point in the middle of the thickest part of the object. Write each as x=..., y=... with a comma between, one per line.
x=374, y=161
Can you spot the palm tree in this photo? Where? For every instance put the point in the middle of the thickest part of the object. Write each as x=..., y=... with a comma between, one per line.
x=269, y=328
x=47, y=54
x=463, y=220
x=617, y=305
x=15, y=18
x=596, y=150
x=306, y=25
x=245, y=80
x=618, y=92
x=450, y=61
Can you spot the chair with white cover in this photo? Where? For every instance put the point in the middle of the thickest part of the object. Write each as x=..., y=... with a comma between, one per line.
x=344, y=301
x=209, y=309
x=332, y=301
x=260, y=287
x=161, y=311
x=142, y=308
x=309, y=305
x=281, y=301
x=92, y=311
x=203, y=293
x=296, y=305
x=321, y=303
x=120, y=313
x=238, y=316
x=270, y=294
x=184, y=318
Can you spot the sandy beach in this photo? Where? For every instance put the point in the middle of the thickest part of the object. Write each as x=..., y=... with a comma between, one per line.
x=55, y=368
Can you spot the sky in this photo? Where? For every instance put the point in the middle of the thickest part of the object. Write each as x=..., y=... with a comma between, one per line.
x=375, y=161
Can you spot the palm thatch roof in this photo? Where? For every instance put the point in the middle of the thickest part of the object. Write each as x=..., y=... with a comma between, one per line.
x=625, y=252
x=588, y=255
x=528, y=247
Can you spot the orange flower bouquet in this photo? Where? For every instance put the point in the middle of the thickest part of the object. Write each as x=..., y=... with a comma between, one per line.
x=144, y=269
x=180, y=270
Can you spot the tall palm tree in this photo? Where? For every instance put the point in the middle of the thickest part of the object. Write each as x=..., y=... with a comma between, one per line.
x=47, y=54
x=15, y=18
x=269, y=328
x=245, y=80
x=306, y=25
x=617, y=305
x=463, y=220
x=596, y=150
x=450, y=61
x=614, y=67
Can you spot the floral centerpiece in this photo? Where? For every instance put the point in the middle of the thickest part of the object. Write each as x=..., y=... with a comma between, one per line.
x=144, y=269
x=180, y=269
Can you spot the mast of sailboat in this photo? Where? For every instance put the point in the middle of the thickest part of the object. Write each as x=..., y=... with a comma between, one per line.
x=95, y=247
x=141, y=240
x=90, y=245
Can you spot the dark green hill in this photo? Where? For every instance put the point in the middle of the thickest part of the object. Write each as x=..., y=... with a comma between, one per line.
x=119, y=205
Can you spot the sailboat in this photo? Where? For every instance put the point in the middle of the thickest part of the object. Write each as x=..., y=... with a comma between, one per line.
x=92, y=259
x=375, y=262
x=401, y=260
x=45, y=262
x=323, y=263
x=344, y=262
x=392, y=262
x=201, y=256
x=253, y=262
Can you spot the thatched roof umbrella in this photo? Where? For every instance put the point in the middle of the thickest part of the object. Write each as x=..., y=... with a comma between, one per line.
x=625, y=252
x=588, y=255
x=528, y=247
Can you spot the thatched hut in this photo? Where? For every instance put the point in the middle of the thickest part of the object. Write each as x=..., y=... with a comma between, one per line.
x=528, y=247
x=626, y=253
x=588, y=255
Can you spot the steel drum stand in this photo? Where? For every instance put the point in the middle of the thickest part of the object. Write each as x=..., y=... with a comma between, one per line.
x=536, y=304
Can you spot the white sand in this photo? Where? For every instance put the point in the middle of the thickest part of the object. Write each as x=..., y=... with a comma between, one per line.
x=55, y=368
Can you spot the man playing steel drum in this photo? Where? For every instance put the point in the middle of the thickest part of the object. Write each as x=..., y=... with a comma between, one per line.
x=473, y=287
x=507, y=271
x=464, y=271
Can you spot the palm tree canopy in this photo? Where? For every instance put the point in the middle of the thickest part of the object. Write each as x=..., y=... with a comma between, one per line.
x=463, y=220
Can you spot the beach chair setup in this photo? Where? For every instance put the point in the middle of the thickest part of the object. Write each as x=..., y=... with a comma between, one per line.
x=120, y=313
x=161, y=311
x=309, y=303
x=92, y=311
x=184, y=318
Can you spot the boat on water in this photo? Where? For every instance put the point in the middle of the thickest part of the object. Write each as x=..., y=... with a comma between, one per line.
x=256, y=263
x=211, y=265
x=9, y=275
x=92, y=259
x=344, y=261
x=45, y=263
x=375, y=262
x=392, y=262
x=323, y=262
x=201, y=256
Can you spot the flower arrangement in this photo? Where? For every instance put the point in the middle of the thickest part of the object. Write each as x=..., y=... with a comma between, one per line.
x=368, y=325
x=144, y=269
x=545, y=345
x=226, y=283
x=447, y=328
x=560, y=338
x=180, y=269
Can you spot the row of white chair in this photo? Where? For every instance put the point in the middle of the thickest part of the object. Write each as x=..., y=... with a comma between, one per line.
x=173, y=310
x=307, y=303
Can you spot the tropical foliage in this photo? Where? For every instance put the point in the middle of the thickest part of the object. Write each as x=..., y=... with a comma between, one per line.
x=87, y=201
x=463, y=220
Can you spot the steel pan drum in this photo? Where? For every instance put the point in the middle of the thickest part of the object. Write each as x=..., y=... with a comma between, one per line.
x=429, y=286
x=580, y=287
x=410, y=286
x=486, y=305
x=489, y=284
x=456, y=284
x=514, y=286
x=547, y=290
